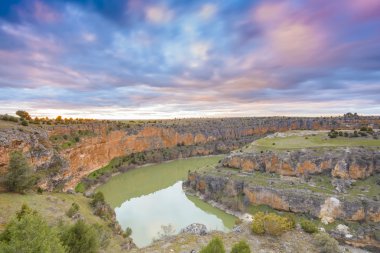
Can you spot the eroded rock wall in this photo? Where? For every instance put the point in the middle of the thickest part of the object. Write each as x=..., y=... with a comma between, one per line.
x=345, y=163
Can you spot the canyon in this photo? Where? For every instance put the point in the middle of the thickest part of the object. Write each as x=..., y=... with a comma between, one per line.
x=66, y=166
x=328, y=183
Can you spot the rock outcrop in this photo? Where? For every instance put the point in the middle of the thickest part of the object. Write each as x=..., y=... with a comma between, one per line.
x=236, y=194
x=345, y=163
x=196, y=229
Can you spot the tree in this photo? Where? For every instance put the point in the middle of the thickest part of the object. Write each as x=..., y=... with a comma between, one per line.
x=241, y=247
x=59, y=118
x=80, y=238
x=214, y=246
x=29, y=233
x=19, y=177
x=24, y=115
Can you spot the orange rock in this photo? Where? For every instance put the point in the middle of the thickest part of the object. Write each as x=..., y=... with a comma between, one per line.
x=266, y=198
x=359, y=215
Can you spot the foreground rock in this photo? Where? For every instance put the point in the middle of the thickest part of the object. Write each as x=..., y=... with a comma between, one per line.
x=294, y=241
x=196, y=229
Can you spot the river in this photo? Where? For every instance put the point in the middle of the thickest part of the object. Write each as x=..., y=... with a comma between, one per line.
x=150, y=200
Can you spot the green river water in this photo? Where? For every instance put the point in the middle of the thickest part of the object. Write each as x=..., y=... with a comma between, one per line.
x=147, y=198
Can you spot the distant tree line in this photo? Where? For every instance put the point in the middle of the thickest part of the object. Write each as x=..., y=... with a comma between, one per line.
x=25, y=119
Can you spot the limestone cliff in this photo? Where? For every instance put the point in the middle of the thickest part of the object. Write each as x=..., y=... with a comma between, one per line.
x=109, y=140
x=237, y=193
x=345, y=163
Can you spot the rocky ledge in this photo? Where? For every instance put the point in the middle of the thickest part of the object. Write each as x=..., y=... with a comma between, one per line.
x=344, y=163
x=237, y=191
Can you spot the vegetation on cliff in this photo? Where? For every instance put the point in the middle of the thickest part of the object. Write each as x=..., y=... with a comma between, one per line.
x=214, y=246
x=271, y=224
x=29, y=232
x=20, y=176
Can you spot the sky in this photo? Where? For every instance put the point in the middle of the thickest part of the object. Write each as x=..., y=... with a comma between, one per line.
x=136, y=59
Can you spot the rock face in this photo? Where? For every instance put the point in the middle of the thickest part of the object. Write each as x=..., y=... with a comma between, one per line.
x=235, y=193
x=202, y=136
x=319, y=205
x=196, y=229
x=344, y=163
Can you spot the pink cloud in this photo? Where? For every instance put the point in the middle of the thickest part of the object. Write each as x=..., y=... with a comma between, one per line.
x=44, y=13
x=289, y=37
x=365, y=8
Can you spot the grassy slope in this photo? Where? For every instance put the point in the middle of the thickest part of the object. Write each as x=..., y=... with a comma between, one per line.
x=311, y=141
x=52, y=206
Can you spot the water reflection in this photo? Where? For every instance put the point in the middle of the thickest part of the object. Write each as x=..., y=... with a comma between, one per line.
x=146, y=214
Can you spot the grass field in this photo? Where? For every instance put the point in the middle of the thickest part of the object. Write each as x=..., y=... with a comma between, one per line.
x=309, y=140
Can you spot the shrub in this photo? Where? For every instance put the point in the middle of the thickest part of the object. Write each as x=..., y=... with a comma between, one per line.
x=98, y=198
x=325, y=243
x=127, y=232
x=292, y=220
x=271, y=223
x=80, y=238
x=214, y=246
x=24, y=122
x=308, y=226
x=19, y=178
x=40, y=190
x=276, y=225
x=104, y=235
x=28, y=232
x=73, y=210
x=258, y=223
x=241, y=247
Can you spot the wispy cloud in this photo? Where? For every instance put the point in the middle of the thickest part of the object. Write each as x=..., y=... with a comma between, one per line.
x=133, y=59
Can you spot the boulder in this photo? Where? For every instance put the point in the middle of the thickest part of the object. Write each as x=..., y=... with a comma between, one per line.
x=196, y=229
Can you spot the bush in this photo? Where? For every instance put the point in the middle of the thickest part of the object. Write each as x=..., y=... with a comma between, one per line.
x=98, y=198
x=127, y=233
x=19, y=178
x=325, y=243
x=308, y=226
x=241, y=247
x=271, y=223
x=28, y=232
x=73, y=210
x=24, y=122
x=258, y=224
x=214, y=246
x=40, y=190
x=80, y=238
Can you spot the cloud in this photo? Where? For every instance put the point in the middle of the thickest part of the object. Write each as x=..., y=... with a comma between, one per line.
x=158, y=14
x=208, y=11
x=174, y=58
